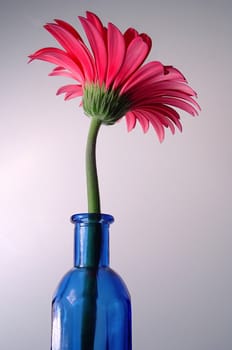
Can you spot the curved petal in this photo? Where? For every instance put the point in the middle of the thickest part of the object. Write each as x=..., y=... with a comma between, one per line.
x=150, y=84
x=77, y=50
x=163, y=119
x=116, y=52
x=130, y=120
x=171, y=72
x=98, y=47
x=59, y=57
x=153, y=81
x=70, y=91
x=129, y=35
x=143, y=94
x=157, y=119
x=146, y=38
x=179, y=95
x=136, y=53
x=176, y=86
x=169, y=113
x=69, y=28
x=144, y=122
x=177, y=103
x=60, y=71
x=97, y=23
x=144, y=74
x=152, y=94
x=157, y=125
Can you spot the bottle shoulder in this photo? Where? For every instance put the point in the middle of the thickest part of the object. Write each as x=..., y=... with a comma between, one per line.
x=107, y=281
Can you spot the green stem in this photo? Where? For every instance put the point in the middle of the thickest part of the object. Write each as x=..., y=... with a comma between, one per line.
x=90, y=282
x=91, y=168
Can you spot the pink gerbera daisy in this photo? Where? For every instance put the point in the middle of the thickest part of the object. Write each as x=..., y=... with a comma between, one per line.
x=112, y=78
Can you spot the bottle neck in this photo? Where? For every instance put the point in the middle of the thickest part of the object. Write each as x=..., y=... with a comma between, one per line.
x=91, y=240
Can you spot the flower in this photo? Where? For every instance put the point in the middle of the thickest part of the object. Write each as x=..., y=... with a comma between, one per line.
x=112, y=78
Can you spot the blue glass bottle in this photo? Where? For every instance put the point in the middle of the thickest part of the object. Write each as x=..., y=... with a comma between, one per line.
x=91, y=309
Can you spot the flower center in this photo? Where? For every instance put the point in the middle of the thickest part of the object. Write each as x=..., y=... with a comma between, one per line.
x=106, y=105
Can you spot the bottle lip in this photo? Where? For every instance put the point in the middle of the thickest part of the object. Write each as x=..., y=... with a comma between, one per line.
x=86, y=218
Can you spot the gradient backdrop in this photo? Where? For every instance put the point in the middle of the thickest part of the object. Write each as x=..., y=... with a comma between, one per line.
x=171, y=241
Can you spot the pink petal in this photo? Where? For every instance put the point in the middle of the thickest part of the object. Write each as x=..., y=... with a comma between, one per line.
x=137, y=52
x=142, y=120
x=145, y=73
x=116, y=52
x=144, y=117
x=180, y=95
x=130, y=120
x=145, y=94
x=170, y=113
x=71, y=91
x=129, y=35
x=98, y=47
x=95, y=20
x=156, y=125
x=69, y=28
x=177, y=103
x=77, y=50
x=147, y=40
x=174, y=85
x=153, y=94
x=173, y=73
x=59, y=57
x=60, y=71
x=164, y=120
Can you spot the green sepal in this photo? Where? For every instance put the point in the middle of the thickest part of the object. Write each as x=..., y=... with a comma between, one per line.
x=104, y=104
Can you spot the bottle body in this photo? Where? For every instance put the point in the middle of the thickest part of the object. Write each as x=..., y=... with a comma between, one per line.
x=91, y=309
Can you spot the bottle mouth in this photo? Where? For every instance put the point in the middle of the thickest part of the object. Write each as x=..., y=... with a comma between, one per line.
x=86, y=218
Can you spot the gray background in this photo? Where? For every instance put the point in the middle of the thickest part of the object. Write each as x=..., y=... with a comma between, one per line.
x=171, y=241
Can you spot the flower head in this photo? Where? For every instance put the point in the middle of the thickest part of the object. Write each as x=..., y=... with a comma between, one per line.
x=113, y=80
